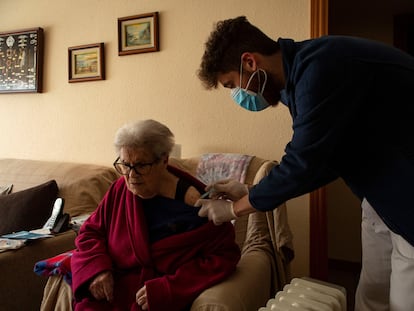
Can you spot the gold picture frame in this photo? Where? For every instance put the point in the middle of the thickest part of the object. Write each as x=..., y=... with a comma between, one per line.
x=86, y=62
x=138, y=34
x=21, y=61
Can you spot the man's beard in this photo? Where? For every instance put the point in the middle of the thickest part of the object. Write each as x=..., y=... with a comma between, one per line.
x=272, y=91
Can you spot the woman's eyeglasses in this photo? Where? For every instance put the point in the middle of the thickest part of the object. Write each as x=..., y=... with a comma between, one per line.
x=139, y=168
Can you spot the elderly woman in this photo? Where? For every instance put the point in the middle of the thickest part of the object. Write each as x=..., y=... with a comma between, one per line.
x=145, y=248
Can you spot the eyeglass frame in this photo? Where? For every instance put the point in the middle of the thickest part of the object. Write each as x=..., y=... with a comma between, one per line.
x=134, y=167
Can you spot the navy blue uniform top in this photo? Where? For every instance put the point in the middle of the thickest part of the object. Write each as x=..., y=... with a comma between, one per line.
x=352, y=105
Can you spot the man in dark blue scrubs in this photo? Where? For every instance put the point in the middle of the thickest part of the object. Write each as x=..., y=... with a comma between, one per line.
x=352, y=105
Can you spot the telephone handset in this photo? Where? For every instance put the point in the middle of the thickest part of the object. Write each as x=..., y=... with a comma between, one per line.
x=58, y=221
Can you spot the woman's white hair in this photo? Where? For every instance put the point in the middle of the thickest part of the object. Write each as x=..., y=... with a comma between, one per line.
x=150, y=135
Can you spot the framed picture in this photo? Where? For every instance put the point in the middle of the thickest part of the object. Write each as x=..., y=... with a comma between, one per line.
x=86, y=62
x=138, y=34
x=21, y=61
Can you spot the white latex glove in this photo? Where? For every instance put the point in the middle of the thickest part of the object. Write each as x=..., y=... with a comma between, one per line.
x=218, y=211
x=227, y=189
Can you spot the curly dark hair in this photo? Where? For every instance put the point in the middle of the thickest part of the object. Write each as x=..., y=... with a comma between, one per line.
x=223, y=49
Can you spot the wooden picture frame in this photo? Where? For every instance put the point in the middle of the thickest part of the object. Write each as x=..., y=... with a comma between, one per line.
x=86, y=62
x=21, y=61
x=138, y=34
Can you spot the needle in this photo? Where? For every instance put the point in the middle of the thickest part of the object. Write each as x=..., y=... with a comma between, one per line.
x=205, y=195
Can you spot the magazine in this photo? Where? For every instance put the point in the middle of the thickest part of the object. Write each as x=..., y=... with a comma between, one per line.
x=19, y=239
x=7, y=244
x=26, y=235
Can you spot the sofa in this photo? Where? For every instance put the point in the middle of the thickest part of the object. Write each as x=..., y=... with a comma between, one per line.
x=264, y=239
x=81, y=185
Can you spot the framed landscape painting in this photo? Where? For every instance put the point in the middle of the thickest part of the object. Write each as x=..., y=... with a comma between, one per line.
x=138, y=34
x=86, y=62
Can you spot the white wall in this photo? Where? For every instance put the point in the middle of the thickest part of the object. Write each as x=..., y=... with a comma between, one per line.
x=76, y=122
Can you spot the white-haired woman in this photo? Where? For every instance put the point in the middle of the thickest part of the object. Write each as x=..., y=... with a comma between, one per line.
x=145, y=246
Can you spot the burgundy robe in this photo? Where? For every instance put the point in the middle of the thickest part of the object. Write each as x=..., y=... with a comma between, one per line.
x=175, y=269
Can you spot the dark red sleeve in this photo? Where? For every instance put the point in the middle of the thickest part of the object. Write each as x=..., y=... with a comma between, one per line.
x=91, y=256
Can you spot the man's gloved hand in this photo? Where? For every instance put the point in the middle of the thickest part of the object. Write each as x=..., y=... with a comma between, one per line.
x=227, y=189
x=218, y=211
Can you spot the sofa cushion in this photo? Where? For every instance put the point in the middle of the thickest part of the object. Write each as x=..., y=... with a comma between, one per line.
x=27, y=209
x=6, y=189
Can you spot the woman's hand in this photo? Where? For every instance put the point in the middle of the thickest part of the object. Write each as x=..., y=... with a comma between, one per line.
x=141, y=298
x=102, y=286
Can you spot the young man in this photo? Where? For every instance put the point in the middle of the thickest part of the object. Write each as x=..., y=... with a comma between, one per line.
x=352, y=105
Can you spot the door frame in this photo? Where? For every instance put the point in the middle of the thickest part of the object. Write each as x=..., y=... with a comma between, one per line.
x=318, y=238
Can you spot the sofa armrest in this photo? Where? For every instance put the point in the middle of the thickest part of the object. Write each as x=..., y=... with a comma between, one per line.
x=248, y=288
x=21, y=288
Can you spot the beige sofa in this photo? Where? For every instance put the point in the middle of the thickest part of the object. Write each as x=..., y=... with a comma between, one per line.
x=264, y=238
x=82, y=186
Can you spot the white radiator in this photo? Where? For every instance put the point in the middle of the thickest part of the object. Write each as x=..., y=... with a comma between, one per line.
x=304, y=294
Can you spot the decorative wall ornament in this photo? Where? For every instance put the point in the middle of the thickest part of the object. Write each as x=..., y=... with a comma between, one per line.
x=21, y=61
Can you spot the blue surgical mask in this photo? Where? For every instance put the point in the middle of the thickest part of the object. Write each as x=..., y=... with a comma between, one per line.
x=248, y=99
